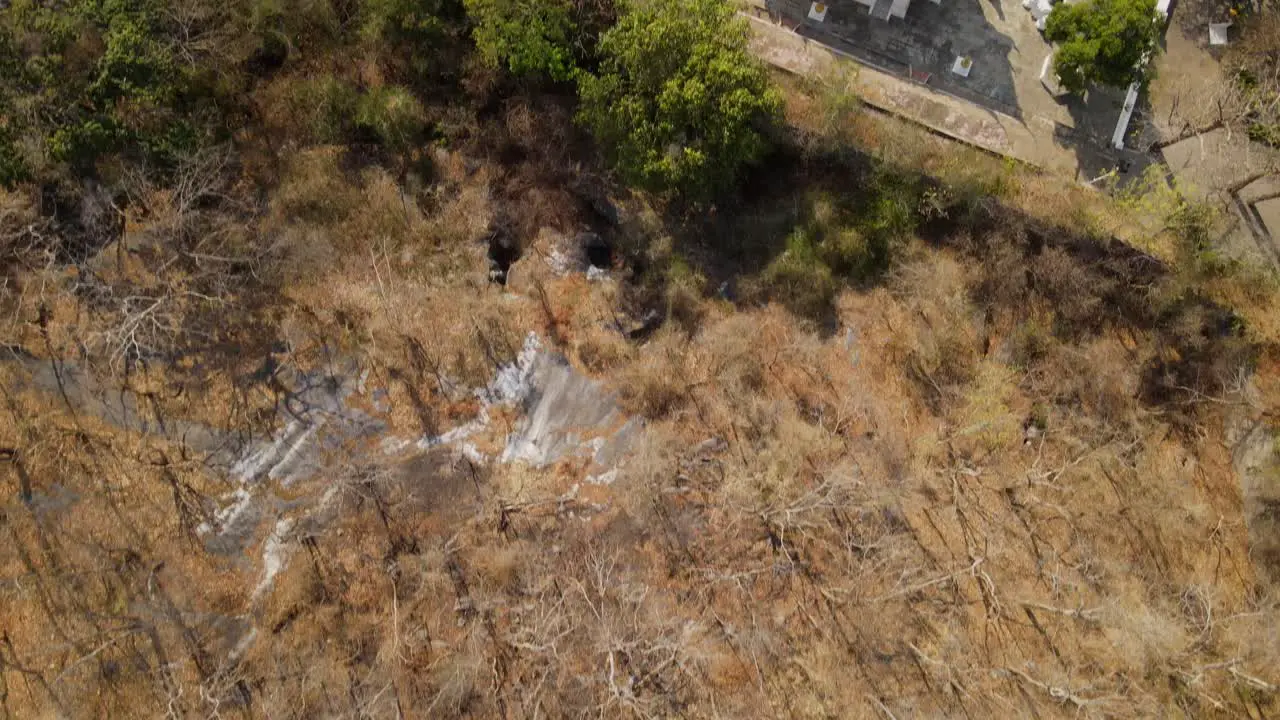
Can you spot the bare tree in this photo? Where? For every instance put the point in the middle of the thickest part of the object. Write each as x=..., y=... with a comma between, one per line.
x=1244, y=99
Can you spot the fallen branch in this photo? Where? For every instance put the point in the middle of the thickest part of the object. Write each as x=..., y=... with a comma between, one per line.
x=883, y=709
x=1250, y=679
x=1089, y=615
x=936, y=581
x=1061, y=694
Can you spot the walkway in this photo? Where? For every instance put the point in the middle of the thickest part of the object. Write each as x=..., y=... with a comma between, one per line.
x=1035, y=143
x=1249, y=232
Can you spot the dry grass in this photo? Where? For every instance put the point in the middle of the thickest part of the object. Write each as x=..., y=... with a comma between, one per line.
x=655, y=386
x=113, y=506
x=1074, y=552
x=957, y=504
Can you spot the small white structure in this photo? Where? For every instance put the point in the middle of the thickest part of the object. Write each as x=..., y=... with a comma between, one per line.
x=1049, y=79
x=818, y=11
x=885, y=9
x=962, y=66
x=1126, y=114
x=1218, y=33
x=1131, y=97
x=1040, y=10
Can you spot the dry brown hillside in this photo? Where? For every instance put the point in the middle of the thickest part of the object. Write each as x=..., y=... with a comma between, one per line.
x=897, y=431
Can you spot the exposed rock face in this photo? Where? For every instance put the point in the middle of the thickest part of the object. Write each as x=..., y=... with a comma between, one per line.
x=1258, y=467
x=319, y=425
x=567, y=413
x=70, y=384
x=286, y=486
x=564, y=415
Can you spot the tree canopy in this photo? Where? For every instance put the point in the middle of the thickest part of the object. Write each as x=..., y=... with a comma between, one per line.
x=1103, y=41
x=678, y=102
x=95, y=78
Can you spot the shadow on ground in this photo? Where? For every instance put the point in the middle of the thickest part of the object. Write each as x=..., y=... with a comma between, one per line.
x=808, y=226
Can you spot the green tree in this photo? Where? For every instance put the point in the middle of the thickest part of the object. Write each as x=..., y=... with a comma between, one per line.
x=528, y=36
x=93, y=78
x=1103, y=41
x=678, y=102
x=13, y=166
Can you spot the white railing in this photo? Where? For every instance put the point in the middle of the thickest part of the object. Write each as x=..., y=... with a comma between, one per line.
x=1131, y=97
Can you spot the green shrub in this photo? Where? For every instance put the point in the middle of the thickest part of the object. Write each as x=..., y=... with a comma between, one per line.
x=1193, y=221
x=848, y=253
x=678, y=102
x=1031, y=341
x=334, y=110
x=859, y=240
x=403, y=22
x=292, y=23
x=799, y=278
x=892, y=213
x=327, y=105
x=971, y=177
x=14, y=168
x=1265, y=133
x=530, y=37
x=836, y=104
x=393, y=114
x=684, y=291
x=841, y=239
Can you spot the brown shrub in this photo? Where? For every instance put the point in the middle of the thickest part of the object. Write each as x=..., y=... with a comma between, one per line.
x=501, y=569
x=941, y=347
x=602, y=351
x=654, y=386
x=1097, y=384
x=1004, y=271
x=1076, y=292
x=685, y=306
x=295, y=592
x=989, y=416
